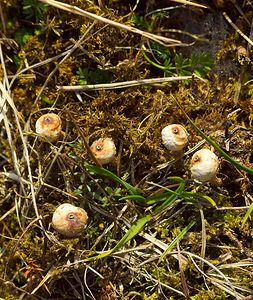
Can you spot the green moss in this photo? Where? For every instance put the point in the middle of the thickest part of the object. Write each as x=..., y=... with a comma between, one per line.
x=153, y=296
x=209, y=294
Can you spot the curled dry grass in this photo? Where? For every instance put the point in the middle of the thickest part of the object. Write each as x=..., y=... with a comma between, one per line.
x=131, y=249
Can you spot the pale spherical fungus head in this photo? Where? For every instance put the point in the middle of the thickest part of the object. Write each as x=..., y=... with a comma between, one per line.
x=204, y=165
x=174, y=137
x=49, y=126
x=69, y=220
x=104, y=150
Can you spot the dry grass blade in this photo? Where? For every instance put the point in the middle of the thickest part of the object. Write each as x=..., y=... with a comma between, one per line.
x=125, y=84
x=9, y=100
x=13, y=286
x=226, y=280
x=3, y=107
x=7, y=124
x=190, y=3
x=81, y=12
x=150, y=278
x=183, y=279
x=44, y=280
x=203, y=240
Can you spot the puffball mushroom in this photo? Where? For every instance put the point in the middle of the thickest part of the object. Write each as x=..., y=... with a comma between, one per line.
x=69, y=220
x=175, y=137
x=48, y=126
x=104, y=150
x=204, y=166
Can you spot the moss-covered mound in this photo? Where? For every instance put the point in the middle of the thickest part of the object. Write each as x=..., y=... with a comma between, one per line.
x=152, y=231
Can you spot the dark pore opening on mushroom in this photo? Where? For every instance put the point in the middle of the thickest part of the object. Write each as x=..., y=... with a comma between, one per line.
x=175, y=130
x=71, y=216
x=99, y=147
x=196, y=158
x=47, y=120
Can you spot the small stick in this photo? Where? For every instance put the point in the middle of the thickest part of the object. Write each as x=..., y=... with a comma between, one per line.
x=124, y=84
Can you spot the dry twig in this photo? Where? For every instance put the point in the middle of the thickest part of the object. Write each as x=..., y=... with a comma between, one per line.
x=125, y=84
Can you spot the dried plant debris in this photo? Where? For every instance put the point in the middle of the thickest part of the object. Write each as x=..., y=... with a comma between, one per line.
x=159, y=226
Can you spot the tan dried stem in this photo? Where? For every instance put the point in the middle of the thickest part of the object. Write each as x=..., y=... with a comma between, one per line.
x=7, y=99
x=190, y=3
x=124, y=84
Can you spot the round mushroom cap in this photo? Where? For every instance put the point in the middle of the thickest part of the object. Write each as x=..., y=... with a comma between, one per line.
x=104, y=150
x=69, y=220
x=49, y=126
x=204, y=165
x=174, y=137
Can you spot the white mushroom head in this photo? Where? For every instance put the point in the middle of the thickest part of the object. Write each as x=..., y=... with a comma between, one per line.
x=104, y=150
x=69, y=220
x=174, y=137
x=204, y=165
x=48, y=126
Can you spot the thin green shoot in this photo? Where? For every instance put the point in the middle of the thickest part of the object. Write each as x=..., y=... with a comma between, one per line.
x=180, y=192
x=164, y=196
x=174, y=194
x=131, y=233
x=191, y=196
x=166, y=67
x=104, y=172
x=137, y=198
x=177, y=239
x=168, y=197
x=247, y=215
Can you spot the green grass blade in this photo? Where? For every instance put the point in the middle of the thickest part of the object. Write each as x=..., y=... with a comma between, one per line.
x=216, y=146
x=249, y=211
x=174, y=194
x=99, y=256
x=104, y=172
x=166, y=203
x=158, y=198
x=151, y=61
x=175, y=178
x=198, y=196
x=177, y=239
x=132, y=231
x=137, y=198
